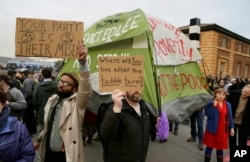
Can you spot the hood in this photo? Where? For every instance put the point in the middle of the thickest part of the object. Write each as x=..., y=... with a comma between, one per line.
x=48, y=86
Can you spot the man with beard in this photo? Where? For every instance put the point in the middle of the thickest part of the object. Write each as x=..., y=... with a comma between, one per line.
x=61, y=138
x=125, y=129
x=47, y=88
x=240, y=101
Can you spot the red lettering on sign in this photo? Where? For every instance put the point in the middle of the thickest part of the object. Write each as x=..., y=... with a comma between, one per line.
x=172, y=83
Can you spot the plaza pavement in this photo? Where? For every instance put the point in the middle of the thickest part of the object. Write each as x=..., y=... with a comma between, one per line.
x=176, y=149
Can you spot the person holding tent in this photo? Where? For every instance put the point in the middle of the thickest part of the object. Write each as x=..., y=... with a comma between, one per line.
x=174, y=126
x=125, y=129
x=61, y=138
x=196, y=120
x=219, y=125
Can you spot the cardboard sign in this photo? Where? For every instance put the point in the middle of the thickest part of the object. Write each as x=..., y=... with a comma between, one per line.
x=48, y=38
x=121, y=72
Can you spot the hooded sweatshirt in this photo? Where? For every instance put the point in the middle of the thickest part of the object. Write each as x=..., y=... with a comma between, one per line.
x=41, y=94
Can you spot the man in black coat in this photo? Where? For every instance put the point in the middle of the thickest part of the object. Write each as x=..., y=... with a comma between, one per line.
x=125, y=129
x=240, y=101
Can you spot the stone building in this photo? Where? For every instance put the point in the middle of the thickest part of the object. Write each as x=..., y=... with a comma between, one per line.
x=225, y=53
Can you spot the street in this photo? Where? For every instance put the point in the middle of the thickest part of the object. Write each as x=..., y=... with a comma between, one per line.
x=176, y=149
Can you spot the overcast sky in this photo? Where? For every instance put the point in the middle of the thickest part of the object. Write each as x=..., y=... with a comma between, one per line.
x=232, y=15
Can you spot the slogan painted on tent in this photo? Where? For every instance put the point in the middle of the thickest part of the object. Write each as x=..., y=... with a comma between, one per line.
x=171, y=46
x=121, y=72
x=48, y=38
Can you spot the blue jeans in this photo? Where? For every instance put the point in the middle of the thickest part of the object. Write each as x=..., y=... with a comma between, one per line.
x=176, y=126
x=197, y=116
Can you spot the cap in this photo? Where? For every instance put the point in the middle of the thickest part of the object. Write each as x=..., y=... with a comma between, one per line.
x=233, y=79
x=74, y=77
x=11, y=72
x=6, y=78
x=23, y=70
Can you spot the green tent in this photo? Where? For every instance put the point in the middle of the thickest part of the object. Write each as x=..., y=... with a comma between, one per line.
x=173, y=81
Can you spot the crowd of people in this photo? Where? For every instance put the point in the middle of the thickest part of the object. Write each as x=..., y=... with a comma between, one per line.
x=227, y=118
x=57, y=111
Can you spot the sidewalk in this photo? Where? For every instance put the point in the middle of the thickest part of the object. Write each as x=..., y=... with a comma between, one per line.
x=176, y=149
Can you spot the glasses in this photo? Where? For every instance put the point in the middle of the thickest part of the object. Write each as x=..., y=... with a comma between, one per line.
x=65, y=83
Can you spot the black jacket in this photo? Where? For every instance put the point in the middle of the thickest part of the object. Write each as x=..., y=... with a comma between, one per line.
x=126, y=134
x=234, y=98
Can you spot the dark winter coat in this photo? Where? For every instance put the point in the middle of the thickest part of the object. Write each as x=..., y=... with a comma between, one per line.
x=234, y=98
x=15, y=142
x=126, y=134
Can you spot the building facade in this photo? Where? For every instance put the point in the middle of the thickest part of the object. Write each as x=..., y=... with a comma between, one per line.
x=224, y=53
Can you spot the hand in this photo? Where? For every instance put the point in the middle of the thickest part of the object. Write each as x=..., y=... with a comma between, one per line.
x=82, y=53
x=36, y=145
x=232, y=132
x=158, y=120
x=117, y=97
x=215, y=102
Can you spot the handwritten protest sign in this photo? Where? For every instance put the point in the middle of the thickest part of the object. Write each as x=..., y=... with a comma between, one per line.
x=121, y=72
x=48, y=38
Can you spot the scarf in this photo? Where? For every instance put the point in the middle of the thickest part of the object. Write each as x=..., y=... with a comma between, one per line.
x=4, y=117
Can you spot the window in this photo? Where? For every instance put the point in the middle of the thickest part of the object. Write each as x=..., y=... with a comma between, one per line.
x=221, y=69
x=248, y=50
x=239, y=48
x=237, y=74
x=246, y=71
x=224, y=42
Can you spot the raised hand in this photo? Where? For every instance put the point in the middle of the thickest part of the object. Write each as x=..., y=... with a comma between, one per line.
x=82, y=53
x=117, y=97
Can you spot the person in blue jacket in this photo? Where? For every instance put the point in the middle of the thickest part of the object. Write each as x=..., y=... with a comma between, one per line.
x=219, y=125
x=15, y=142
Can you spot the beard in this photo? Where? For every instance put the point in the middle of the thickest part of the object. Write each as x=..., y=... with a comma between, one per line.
x=64, y=94
x=135, y=97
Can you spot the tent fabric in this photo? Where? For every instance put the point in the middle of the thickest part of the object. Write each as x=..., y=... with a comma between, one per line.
x=173, y=81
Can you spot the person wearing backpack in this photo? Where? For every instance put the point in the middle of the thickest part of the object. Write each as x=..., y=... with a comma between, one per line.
x=125, y=129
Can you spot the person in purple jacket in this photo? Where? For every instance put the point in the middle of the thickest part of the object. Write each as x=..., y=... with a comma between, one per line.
x=15, y=142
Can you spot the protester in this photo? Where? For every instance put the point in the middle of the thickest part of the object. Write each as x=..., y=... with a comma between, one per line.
x=16, y=100
x=174, y=125
x=28, y=114
x=235, y=85
x=61, y=138
x=15, y=141
x=20, y=76
x=219, y=125
x=89, y=127
x=220, y=84
x=125, y=130
x=241, y=113
x=47, y=88
x=197, y=117
x=15, y=83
